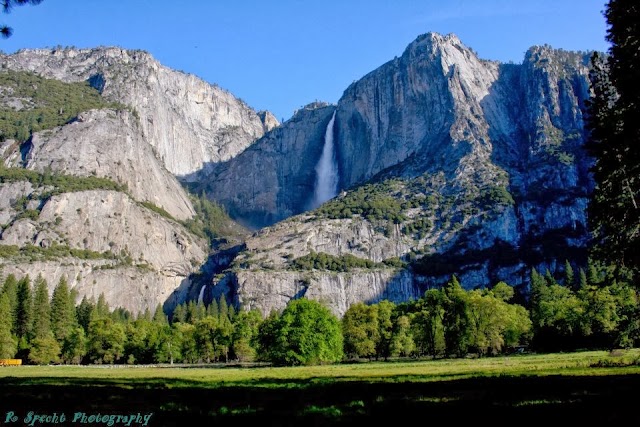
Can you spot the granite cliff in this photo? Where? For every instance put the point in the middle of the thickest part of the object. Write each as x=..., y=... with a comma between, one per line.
x=448, y=164
x=188, y=121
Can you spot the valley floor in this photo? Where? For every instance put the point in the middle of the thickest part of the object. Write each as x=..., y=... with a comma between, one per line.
x=587, y=387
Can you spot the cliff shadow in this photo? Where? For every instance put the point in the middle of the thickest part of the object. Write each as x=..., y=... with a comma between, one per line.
x=200, y=283
x=542, y=151
x=273, y=178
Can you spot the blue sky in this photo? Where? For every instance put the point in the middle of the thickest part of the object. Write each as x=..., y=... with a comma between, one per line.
x=282, y=54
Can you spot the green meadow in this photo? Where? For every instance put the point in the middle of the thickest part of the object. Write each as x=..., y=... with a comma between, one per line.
x=586, y=387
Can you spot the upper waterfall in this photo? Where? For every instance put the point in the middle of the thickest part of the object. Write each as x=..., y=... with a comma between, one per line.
x=326, y=170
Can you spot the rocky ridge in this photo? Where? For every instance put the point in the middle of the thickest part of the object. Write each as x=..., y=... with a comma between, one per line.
x=189, y=122
x=471, y=167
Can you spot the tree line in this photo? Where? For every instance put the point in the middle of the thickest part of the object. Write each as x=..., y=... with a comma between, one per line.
x=595, y=308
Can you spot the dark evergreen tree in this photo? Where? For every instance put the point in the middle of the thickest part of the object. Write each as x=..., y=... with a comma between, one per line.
x=41, y=309
x=63, y=311
x=24, y=303
x=569, y=278
x=101, y=309
x=179, y=314
x=223, y=310
x=212, y=309
x=8, y=344
x=10, y=289
x=614, y=209
x=83, y=312
x=44, y=348
x=159, y=317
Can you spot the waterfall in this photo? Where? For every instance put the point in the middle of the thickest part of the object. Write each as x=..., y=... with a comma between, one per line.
x=201, y=296
x=326, y=170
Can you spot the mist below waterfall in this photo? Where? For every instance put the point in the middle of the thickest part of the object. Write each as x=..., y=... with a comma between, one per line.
x=326, y=170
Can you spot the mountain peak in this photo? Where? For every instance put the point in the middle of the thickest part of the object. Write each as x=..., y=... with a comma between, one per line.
x=437, y=40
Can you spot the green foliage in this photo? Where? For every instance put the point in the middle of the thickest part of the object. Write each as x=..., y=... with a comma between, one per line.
x=495, y=324
x=44, y=350
x=37, y=253
x=370, y=201
x=495, y=196
x=59, y=183
x=455, y=320
x=8, y=343
x=24, y=309
x=10, y=289
x=418, y=227
x=324, y=261
x=41, y=310
x=385, y=315
x=74, y=347
x=305, y=334
x=426, y=320
x=601, y=312
x=211, y=221
x=63, y=311
x=614, y=208
x=45, y=103
x=361, y=331
x=157, y=209
x=83, y=312
x=106, y=339
x=245, y=335
x=402, y=342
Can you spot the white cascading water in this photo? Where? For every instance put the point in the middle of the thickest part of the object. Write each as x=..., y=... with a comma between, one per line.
x=201, y=296
x=326, y=170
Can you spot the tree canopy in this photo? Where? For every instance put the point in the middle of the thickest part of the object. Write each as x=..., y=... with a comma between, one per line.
x=614, y=210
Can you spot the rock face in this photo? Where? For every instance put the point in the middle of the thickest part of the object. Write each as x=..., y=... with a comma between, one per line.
x=188, y=121
x=448, y=164
x=110, y=144
x=124, y=236
x=267, y=290
x=121, y=248
x=472, y=167
x=123, y=286
x=265, y=184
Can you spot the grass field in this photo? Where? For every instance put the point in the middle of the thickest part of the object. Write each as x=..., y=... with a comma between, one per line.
x=588, y=387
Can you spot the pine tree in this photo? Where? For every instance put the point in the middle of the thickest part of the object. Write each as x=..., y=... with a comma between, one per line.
x=41, y=310
x=63, y=311
x=223, y=310
x=146, y=315
x=583, y=280
x=44, y=348
x=83, y=312
x=179, y=314
x=10, y=289
x=159, y=317
x=101, y=309
x=614, y=209
x=8, y=344
x=24, y=305
x=568, y=275
x=212, y=309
